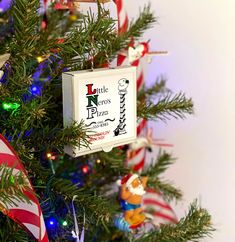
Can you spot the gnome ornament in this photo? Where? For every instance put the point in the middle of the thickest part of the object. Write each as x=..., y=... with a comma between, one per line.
x=147, y=142
x=135, y=53
x=131, y=193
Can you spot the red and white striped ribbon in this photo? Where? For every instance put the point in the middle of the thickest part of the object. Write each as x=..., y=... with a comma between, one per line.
x=138, y=158
x=123, y=23
x=123, y=20
x=157, y=208
x=27, y=215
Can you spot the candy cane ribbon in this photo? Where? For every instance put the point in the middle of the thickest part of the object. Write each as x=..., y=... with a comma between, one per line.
x=27, y=215
x=138, y=158
x=122, y=17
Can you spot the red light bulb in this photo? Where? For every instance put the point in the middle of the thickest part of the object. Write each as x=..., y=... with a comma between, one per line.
x=85, y=169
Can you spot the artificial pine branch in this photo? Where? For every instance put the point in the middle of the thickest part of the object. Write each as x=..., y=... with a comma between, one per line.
x=169, y=106
x=93, y=32
x=193, y=227
x=6, y=26
x=159, y=87
x=164, y=160
x=112, y=43
x=108, y=168
x=36, y=170
x=57, y=27
x=76, y=134
x=4, y=91
x=169, y=192
x=26, y=23
x=11, y=231
x=96, y=207
x=12, y=187
x=144, y=22
x=114, y=159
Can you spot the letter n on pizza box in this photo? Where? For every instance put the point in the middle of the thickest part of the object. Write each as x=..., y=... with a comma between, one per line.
x=105, y=100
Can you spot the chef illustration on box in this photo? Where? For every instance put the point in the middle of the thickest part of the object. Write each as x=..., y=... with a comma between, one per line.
x=122, y=87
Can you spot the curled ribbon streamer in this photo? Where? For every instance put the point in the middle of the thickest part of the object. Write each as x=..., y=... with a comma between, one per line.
x=75, y=233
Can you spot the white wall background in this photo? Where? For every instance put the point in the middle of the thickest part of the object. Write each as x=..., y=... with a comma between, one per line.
x=199, y=34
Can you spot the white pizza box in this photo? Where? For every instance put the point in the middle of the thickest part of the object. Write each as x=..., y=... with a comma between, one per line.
x=105, y=99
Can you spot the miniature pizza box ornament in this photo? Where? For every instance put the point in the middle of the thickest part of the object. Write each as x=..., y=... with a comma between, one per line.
x=105, y=99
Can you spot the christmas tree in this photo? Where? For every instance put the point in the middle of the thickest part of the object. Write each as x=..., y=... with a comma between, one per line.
x=76, y=192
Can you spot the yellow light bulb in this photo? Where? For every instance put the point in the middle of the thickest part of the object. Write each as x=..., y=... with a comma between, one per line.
x=49, y=155
x=40, y=59
x=73, y=17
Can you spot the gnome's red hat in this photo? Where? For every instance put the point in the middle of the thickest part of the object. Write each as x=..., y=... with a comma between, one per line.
x=127, y=179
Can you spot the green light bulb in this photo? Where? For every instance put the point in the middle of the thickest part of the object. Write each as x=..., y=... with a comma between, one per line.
x=64, y=223
x=6, y=106
x=10, y=106
x=12, y=179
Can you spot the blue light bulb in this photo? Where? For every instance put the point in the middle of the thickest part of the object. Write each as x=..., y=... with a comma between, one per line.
x=4, y=5
x=52, y=222
x=36, y=89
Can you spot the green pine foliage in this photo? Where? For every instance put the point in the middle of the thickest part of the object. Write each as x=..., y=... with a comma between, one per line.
x=155, y=171
x=36, y=126
x=11, y=187
x=193, y=227
x=10, y=231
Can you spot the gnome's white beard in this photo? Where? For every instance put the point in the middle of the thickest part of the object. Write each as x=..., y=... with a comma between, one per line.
x=137, y=190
